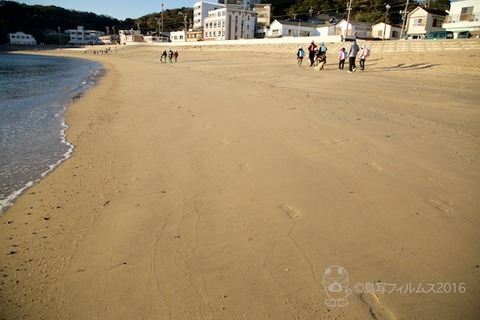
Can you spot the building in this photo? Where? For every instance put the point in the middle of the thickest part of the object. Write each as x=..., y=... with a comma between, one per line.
x=421, y=21
x=264, y=14
x=291, y=28
x=354, y=29
x=229, y=23
x=327, y=29
x=21, y=38
x=195, y=35
x=81, y=36
x=463, y=19
x=249, y=4
x=390, y=31
x=152, y=38
x=109, y=39
x=130, y=36
x=200, y=12
x=178, y=36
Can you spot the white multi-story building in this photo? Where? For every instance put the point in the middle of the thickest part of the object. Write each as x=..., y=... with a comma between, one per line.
x=82, y=36
x=21, y=38
x=464, y=18
x=246, y=3
x=229, y=23
x=200, y=12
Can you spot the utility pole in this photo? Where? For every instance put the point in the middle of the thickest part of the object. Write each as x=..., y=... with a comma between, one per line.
x=161, y=24
x=349, y=8
x=385, y=24
x=404, y=19
x=244, y=13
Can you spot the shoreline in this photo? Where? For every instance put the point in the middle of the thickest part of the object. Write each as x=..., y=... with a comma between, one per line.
x=186, y=199
x=70, y=95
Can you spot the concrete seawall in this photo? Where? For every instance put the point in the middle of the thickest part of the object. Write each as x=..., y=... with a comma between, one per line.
x=395, y=46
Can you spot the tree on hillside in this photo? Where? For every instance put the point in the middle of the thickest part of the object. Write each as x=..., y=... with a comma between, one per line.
x=173, y=19
x=307, y=8
x=440, y=4
x=38, y=20
x=279, y=7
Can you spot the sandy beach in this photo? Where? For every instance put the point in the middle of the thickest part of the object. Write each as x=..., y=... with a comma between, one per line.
x=225, y=185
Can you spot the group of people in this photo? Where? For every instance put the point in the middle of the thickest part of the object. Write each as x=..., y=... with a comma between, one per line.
x=318, y=56
x=172, y=56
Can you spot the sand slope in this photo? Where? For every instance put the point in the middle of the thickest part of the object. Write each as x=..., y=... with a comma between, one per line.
x=223, y=186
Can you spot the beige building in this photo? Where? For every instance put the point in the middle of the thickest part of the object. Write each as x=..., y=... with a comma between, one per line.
x=264, y=14
x=130, y=36
x=421, y=21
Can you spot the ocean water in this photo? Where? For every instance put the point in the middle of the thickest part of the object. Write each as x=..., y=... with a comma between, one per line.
x=35, y=92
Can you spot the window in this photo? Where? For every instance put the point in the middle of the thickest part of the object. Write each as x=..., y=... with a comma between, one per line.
x=435, y=23
x=418, y=22
x=466, y=14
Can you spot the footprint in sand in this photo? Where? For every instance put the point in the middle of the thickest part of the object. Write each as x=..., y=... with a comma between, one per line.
x=338, y=142
x=442, y=204
x=375, y=166
x=245, y=167
x=377, y=311
x=224, y=142
x=291, y=212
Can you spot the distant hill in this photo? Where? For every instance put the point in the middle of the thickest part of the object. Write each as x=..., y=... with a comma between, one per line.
x=43, y=22
x=38, y=20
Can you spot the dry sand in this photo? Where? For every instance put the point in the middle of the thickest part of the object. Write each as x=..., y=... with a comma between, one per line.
x=223, y=186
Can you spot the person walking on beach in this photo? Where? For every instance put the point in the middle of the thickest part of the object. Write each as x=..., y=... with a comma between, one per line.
x=170, y=55
x=341, y=59
x=352, y=55
x=311, y=53
x=363, y=56
x=163, y=57
x=175, y=55
x=300, y=55
x=323, y=51
x=320, y=60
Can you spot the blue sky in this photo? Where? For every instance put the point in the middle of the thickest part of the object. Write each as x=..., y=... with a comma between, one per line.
x=120, y=9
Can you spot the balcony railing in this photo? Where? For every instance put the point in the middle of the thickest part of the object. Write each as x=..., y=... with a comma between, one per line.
x=466, y=17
